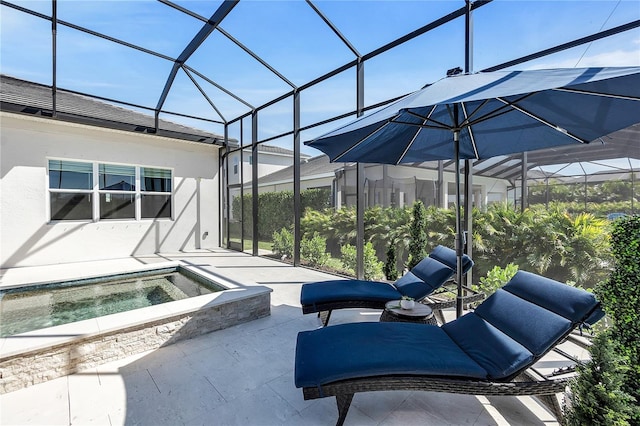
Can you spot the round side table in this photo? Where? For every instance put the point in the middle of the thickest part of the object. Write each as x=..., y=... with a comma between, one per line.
x=420, y=313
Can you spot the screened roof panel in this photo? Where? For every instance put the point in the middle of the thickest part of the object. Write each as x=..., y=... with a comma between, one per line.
x=237, y=71
x=25, y=47
x=40, y=6
x=372, y=24
x=294, y=40
x=411, y=65
x=289, y=36
x=591, y=167
x=185, y=97
x=144, y=23
x=329, y=98
x=125, y=74
x=530, y=26
x=275, y=119
x=202, y=8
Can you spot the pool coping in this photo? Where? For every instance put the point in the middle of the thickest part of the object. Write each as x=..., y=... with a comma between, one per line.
x=36, y=340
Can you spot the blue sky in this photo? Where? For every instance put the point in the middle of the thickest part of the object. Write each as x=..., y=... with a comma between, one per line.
x=291, y=38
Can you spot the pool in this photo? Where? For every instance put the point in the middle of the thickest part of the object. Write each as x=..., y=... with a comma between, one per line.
x=41, y=306
x=42, y=354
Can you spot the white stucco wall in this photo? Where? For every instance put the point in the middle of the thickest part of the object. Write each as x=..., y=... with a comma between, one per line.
x=27, y=238
x=269, y=162
x=308, y=182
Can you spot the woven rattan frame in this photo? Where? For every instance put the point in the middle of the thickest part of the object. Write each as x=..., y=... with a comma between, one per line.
x=344, y=390
x=437, y=303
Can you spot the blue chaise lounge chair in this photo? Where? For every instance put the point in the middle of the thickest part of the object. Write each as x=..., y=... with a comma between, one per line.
x=480, y=353
x=423, y=279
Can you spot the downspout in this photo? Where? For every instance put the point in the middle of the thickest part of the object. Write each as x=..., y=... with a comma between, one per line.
x=468, y=166
x=54, y=56
x=297, y=201
x=360, y=179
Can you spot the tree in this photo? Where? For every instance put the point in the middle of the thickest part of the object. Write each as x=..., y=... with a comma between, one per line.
x=418, y=249
x=390, y=269
x=597, y=396
x=620, y=297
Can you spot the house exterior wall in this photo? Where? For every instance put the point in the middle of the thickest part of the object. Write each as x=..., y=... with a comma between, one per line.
x=28, y=238
x=305, y=183
x=268, y=162
x=381, y=182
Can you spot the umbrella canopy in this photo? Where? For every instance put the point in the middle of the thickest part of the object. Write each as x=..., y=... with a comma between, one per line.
x=497, y=113
x=482, y=115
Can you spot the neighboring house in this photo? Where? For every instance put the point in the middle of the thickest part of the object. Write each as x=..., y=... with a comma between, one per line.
x=270, y=160
x=315, y=172
x=98, y=182
x=388, y=186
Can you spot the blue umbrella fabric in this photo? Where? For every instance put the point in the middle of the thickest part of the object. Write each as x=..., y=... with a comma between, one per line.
x=483, y=115
x=495, y=113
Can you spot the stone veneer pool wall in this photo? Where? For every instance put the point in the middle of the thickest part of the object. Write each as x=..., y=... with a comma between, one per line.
x=41, y=355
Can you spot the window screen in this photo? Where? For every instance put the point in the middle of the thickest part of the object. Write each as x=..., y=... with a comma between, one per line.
x=70, y=175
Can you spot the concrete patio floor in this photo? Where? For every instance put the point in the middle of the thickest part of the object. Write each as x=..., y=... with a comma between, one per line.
x=242, y=375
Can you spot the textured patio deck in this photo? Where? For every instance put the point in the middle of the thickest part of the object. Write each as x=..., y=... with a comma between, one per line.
x=242, y=375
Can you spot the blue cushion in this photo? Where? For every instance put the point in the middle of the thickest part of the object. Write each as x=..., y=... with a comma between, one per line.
x=448, y=256
x=355, y=350
x=347, y=290
x=534, y=327
x=595, y=316
x=570, y=302
x=496, y=352
x=412, y=286
x=423, y=278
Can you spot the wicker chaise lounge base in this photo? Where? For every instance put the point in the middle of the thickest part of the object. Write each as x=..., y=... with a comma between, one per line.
x=490, y=351
x=344, y=390
x=438, y=301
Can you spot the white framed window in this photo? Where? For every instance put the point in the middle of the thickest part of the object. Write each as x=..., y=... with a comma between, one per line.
x=95, y=191
x=70, y=190
x=117, y=191
x=155, y=193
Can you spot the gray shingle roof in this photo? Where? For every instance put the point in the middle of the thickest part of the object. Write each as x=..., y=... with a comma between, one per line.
x=314, y=167
x=25, y=97
x=233, y=145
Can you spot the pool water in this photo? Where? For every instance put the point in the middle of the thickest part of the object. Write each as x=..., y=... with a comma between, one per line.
x=36, y=307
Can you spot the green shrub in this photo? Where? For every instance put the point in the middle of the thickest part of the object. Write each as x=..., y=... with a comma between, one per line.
x=349, y=258
x=620, y=297
x=418, y=244
x=314, y=250
x=596, y=395
x=275, y=209
x=495, y=278
x=390, y=269
x=337, y=226
x=372, y=266
x=283, y=243
x=559, y=245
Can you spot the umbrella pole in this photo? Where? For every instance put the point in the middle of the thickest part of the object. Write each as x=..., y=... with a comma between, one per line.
x=458, y=237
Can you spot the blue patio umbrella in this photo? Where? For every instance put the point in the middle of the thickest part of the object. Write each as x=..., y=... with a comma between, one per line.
x=482, y=115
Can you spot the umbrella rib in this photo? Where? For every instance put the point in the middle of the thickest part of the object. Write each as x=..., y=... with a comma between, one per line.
x=425, y=119
x=542, y=120
x=424, y=126
x=469, y=129
x=345, y=152
x=439, y=124
x=504, y=109
x=600, y=94
x=467, y=117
